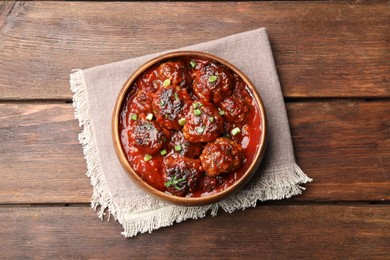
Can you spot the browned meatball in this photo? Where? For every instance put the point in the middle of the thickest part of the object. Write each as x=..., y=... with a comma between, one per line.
x=236, y=108
x=180, y=145
x=145, y=135
x=203, y=123
x=182, y=175
x=221, y=156
x=175, y=71
x=211, y=183
x=149, y=82
x=149, y=171
x=170, y=104
x=212, y=82
x=141, y=103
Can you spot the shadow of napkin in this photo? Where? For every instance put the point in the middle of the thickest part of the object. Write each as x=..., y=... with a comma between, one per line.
x=95, y=91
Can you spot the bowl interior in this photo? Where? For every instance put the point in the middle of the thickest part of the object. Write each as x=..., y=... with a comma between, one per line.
x=187, y=201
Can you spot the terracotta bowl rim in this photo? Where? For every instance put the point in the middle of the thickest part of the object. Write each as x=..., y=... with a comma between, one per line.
x=187, y=201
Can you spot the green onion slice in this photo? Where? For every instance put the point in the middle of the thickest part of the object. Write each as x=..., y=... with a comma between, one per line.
x=182, y=121
x=213, y=78
x=235, y=131
x=134, y=117
x=193, y=64
x=197, y=112
x=147, y=157
x=163, y=152
x=167, y=82
x=221, y=112
x=149, y=116
x=211, y=119
x=177, y=148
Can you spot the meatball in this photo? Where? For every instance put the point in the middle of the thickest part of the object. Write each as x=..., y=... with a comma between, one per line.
x=170, y=104
x=149, y=170
x=141, y=103
x=211, y=183
x=145, y=135
x=149, y=82
x=212, y=82
x=221, y=156
x=182, y=175
x=183, y=147
x=236, y=108
x=203, y=123
x=175, y=71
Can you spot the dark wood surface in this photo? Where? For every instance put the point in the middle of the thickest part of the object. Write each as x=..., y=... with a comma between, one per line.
x=351, y=137
x=273, y=232
x=321, y=49
x=333, y=60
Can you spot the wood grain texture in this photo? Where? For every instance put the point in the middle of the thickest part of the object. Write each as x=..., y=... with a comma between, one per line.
x=322, y=49
x=269, y=232
x=5, y=9
x=41, y=159
x=344, y=147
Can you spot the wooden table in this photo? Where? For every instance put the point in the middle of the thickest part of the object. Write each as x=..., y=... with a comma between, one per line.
x=333, y=60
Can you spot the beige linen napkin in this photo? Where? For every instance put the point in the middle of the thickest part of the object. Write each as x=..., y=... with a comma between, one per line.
x=95, y=91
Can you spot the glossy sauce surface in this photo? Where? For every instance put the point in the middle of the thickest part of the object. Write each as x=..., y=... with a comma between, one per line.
x=190, y=126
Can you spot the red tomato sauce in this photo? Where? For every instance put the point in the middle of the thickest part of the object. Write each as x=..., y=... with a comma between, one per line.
x=190, y=126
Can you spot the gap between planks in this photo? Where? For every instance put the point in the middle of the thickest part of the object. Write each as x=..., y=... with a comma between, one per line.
x=269, y=203
x=286, y=99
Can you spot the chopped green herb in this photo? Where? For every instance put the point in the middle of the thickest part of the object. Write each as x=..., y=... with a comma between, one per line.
x=134, y=117
x=197, y=112
x=211, y=119
x=195, y=104
x=176, y=97
x=167, y=82
x=174, y=182
x=193, y=64
x=147, y=157
x=177, y=148
x=163, y=152
x=235, y=131
x=162, y=102
x=149, y=116
x=221, y=112
x=213, y=78
x=199, y=129
x=182, y=121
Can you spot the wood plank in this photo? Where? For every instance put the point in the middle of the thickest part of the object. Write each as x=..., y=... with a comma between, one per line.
x=322, y=49
x=41, y=159
x=344, y=147
x=269, y=232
